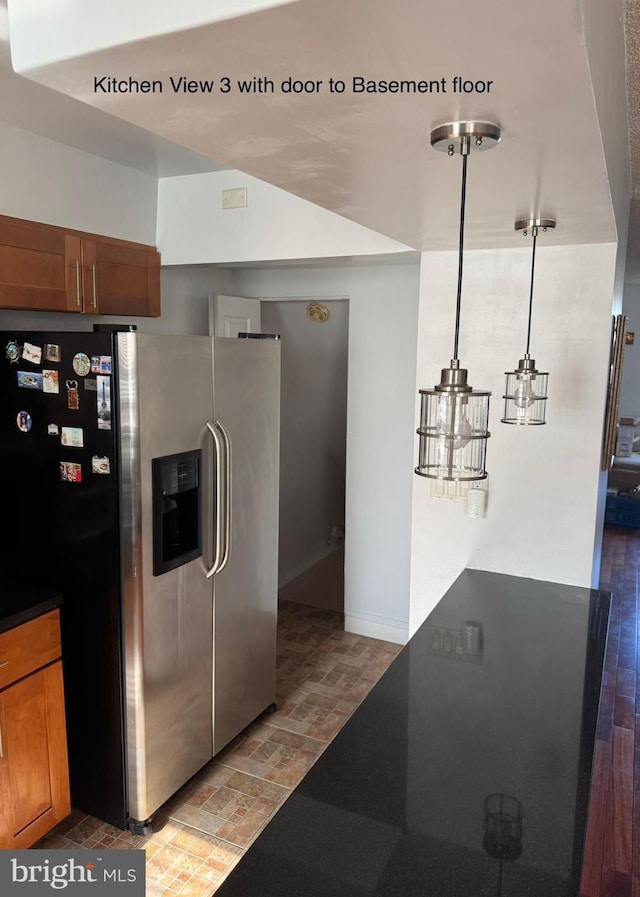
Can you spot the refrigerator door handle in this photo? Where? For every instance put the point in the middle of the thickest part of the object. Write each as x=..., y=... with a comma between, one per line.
x=227, y=496
x=216, y=565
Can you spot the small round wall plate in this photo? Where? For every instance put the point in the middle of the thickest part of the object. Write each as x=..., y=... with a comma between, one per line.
x=483, y=135
x=318, y=312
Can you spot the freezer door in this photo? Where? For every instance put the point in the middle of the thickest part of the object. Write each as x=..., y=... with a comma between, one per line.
x=60, y=501
x=247, y=411
x=166, y=401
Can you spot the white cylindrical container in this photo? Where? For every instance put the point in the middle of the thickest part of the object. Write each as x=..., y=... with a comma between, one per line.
x=472, y=633
x=476, y=503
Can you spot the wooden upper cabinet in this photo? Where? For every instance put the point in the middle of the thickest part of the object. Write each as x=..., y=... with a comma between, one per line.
x=36, y=269
x=47, y=268
x=120, y=279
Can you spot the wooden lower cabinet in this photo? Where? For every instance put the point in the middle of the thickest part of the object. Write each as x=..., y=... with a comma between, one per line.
x=34, y=777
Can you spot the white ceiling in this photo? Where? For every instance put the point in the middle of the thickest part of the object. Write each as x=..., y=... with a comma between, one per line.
x=366, y=157
x=49, y=113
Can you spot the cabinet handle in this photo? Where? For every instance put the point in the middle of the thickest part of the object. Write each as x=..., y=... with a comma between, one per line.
x=3, y=664
x=76, y=265
x=93, y=278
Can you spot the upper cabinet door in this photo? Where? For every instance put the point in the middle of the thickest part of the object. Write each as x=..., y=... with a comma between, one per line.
x=48, y=268
x=120, y=279
x=39, y=267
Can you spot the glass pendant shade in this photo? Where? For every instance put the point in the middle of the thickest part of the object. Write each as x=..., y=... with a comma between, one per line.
x=453, y=429
x=503, y=817
x=525, y=398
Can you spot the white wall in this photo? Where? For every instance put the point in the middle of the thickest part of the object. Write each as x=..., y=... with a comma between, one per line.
x=194, y=229
x=605, y=42
x=185, y=298
x=185, y=306
x=313, y=431
x=383, y=314
x=544, y=483
x=47, y=181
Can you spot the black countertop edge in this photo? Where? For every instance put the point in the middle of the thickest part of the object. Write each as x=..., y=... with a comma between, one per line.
x=21, y=603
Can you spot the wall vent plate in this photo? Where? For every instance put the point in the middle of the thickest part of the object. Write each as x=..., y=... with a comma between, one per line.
x=235, y=198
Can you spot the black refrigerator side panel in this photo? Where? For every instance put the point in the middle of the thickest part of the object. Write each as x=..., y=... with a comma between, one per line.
x=59, y=469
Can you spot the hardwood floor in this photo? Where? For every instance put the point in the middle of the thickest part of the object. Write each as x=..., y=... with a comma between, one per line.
x=612, y=852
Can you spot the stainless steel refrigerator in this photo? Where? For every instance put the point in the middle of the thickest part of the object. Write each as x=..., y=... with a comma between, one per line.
x=141, y=480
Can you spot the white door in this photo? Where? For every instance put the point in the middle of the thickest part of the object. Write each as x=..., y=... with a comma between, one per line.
x=231, y=315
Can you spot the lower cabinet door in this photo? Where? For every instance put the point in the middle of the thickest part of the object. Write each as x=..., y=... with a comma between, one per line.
x=34, y=780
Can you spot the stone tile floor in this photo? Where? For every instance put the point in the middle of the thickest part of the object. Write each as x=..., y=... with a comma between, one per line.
x=202, y=832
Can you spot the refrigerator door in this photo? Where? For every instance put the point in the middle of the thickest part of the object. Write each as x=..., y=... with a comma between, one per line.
x=60, y=500
x=247, y=415
x=166, y=401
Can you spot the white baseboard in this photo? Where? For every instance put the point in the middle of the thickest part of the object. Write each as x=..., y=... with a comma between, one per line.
x=377, y=627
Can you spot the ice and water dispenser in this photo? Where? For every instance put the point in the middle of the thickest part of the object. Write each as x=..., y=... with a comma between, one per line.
x=177, y=536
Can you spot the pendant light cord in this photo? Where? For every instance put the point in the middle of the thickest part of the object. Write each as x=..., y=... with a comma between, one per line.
x=460, y=252
x=533, y=265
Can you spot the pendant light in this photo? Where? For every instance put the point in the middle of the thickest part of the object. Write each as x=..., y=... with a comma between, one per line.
x=502, y=840
x=454, y=418
x=525, y=398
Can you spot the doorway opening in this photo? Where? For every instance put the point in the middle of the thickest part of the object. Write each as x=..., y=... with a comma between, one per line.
x=314, y=340
x=313, y=436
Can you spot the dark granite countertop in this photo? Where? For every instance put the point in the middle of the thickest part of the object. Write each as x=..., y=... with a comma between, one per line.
x=21, y=603
x=466, y=771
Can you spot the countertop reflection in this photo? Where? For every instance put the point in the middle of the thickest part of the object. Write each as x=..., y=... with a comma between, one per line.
x=466, y=770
